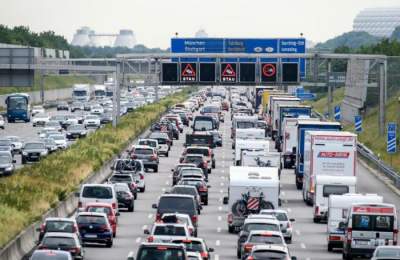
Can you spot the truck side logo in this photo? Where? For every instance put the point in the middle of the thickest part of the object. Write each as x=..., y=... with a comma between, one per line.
x=343, y=155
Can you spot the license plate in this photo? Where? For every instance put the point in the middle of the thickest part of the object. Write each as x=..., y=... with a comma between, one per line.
x=34, y=156
x=90, y=236
x=362, y=242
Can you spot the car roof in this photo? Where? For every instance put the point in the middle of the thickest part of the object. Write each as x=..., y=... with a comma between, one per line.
x=94, y=214
x=56, y=252
x=184, y=186
x=60, y=219
x=173, y=195
x=273, y=247
x=60, y=234
x=169, y=224
x=197, y=147
x=261, y=220
x=98, y=204
x=273, y=211
x=97, y=185
x=260, y=232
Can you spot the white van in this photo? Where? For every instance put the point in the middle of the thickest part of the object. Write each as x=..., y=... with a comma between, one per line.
x=326, y=185
x=249, y=145
x=367, y=227
x=104, y=193
x=338, y=206
x=247, y=183
x=249, y=134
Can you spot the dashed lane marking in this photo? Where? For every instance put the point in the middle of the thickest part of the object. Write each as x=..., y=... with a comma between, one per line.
x=218, y=230
x=303, y=245
x=217, y=243
x=297, y=232
x=138, y=240
x=150, y=216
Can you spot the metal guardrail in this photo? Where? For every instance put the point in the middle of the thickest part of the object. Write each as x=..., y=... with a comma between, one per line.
x=369, y=155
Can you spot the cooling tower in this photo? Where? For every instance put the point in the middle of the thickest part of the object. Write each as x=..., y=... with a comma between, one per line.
x=125, y=38
x=81, y=37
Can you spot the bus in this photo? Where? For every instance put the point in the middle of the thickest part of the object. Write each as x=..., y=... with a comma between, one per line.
x=18, y=107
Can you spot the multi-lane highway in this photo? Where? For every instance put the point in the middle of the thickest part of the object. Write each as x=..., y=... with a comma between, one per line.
x=309, y=240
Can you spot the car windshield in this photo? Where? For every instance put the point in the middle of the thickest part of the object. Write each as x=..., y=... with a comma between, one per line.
x=126, y=165
x=269, y=255
x=245, y=124
x=161, y=252
x=5, y=159
x=193, y=159
x=59, y=241
x=86, y=219
x=279, y=215
x=201, y=151
x=191, y=171
x=203, y=125
x=121, y=178
x=157, y=135
x=50, y=255
x=191, y=246
x=98, y=192
x=184, y=190
x=388, y=252
x=169, y=230
x=210, y=109
x=99, y=209
x=121, y=188
x=376, y=223
x=60, y=226
x=57, y=137
x=334, y=190
x=34, y=146
x=148, y=142
x=176, y=204
x=260, y=226
x=143, y=151
x=265, y=239
x=76, y=127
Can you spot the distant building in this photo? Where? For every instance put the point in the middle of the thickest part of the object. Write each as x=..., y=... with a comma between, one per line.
x=201, y=34
x=87, y=37
x=379, y=22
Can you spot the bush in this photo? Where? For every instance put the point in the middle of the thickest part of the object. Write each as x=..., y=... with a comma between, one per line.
x=33, y=190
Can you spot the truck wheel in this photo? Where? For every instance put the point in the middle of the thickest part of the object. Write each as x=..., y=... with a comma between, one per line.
x=231, y=229
x=299, y=185
x=155, y=169
x=167, y=154
x=213, y=165
x=317, y=220
x=238, y=253
x=266, y=205
x=330, y=248
x=206, y=201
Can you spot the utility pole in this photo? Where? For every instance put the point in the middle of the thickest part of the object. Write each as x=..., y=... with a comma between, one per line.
x=330, y=94
x=382, y=90
x=42, y=86
x=116, y=95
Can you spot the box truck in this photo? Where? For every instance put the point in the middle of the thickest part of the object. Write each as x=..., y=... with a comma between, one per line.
x=302, y=127
x=249, y=145
x=330, y=153
x=251, y=189
x=248, y=134
x=276, y=102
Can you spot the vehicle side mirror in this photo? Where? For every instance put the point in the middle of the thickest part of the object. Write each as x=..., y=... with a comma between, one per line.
x=117, y=214
x=111, y=168
x=210, y=249
x=14, y=161
x=225, y=200
x=292, y=220
x=146, y=232
x=154, y=206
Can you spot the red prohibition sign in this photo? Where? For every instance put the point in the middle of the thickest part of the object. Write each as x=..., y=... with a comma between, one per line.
x=269, y=70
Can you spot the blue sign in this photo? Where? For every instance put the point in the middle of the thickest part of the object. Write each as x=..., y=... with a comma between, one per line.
x=240, y=45
x=391, y=138
x=337, y=113
x=358, y=124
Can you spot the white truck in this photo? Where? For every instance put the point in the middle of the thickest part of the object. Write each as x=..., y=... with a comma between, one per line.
x=81, y=92
x=326, y=185
x=249, y=145
x=276, y=102
x=243, y=122
x=251, y=189
x=338, y=206
x=249, y=134
x=331, y=153
x=99, y=92
x=261, y=158
x=289, y=140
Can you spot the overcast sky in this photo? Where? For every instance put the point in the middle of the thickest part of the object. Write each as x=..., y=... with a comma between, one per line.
x=156, y=21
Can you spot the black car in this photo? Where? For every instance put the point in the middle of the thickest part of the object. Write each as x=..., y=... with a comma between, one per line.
x=76, y=131
x=33, y=151
x=188, y=190
x=175, y=171
x=201, y=185
x=69, y=242
x=124, y=196
x=62, y=106
x=76, y=106
x=160, y=251
x=125, y=178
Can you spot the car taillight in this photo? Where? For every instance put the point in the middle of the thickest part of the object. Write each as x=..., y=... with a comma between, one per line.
x=112, y=220
x=334, y=238
x=158, y=217
x=154, y=157
x=80, y=204
x=191, y=231
x=204, y=255
x=316, y=210
x=150, y=239
x=230, y=218
x=194, y=219
x=133, y=156
x=395, y=234
x=203, y=188
x=248, y=247
x=133, y=186
x=141, y=176
x=114, y=205
x=75, y=250
x=250, y=258
x=349, y=235
x=42, y=247
x=104, y=228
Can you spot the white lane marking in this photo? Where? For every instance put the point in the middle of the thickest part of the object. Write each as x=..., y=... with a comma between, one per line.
x=218, y=230
x=222, y=184
x=297, y=232
x=167, y=182
x=289, y=210
x=216, y=257
x=283, y=193
x=138, y=240
x=163, y=189
x=150, y=216
x=221, y=191
x=303, y=245
x=217, y=243
x=220, y=208
x=144, y=227
x=308, y=258
x=219, y=218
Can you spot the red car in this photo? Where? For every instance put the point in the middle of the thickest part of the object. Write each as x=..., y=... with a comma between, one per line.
x=108, y=210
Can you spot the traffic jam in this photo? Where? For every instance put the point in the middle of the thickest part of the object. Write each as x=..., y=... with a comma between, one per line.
x=272, y=136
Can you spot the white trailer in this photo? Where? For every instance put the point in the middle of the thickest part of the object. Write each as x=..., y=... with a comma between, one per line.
x=326, y=185
x=254, y=182
x=327, y=153
x=81, y=92
x=338, y=206
x=249, y=134
x=249, y=145
x=99, y=92
x=289, y=140
x=276, y=102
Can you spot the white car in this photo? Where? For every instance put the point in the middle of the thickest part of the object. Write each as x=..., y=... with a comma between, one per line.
x=60, y=140
x=40, y=119
x=2, y=122
x=54, y=125
x=97, y=110
x=91, y=121
x=37, y=110
x=17, y=143
x=166, y=232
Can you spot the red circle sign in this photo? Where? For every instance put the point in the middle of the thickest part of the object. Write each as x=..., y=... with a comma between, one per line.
x=269, y=70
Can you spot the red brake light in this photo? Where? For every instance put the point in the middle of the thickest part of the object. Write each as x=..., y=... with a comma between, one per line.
x=250, y=258
x=194, y=219
x=316, y=210
x=104, y=228
x=248, y=247
x=42, y=247
x=42, y=227
x=395, y=238
x=75, y=250
x=230, y=218
x=158, y=217
x=141, y=176
x=114, y=205
x=154, y=157
x=204, y=254
x=133, y=156
x=203, y=188
x=150, y=239
x=349, y=235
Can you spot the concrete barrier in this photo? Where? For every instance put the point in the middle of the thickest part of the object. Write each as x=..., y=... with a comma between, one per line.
x=21, y=246
x=49, y=95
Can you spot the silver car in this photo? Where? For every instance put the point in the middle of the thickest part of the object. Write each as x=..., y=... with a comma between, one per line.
x=286, y=223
